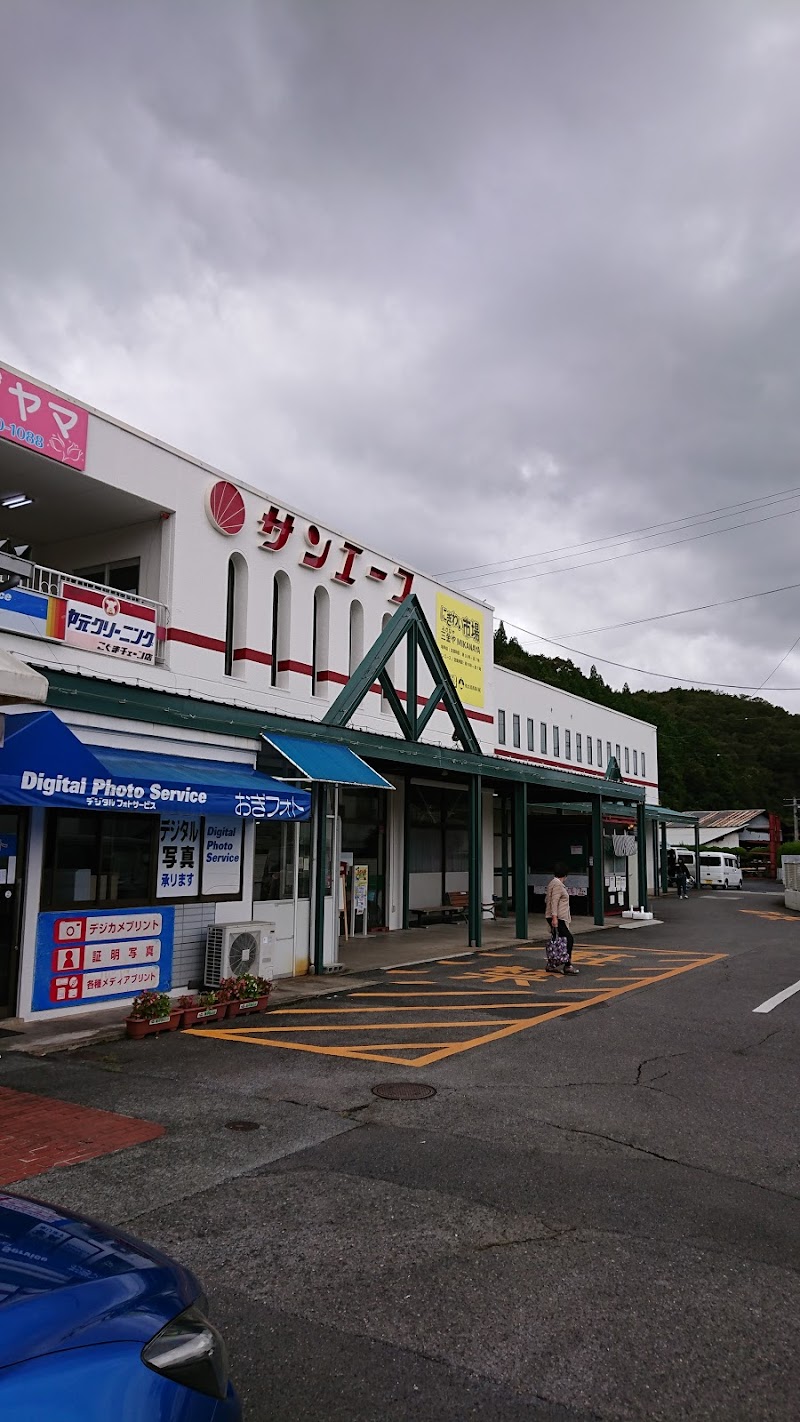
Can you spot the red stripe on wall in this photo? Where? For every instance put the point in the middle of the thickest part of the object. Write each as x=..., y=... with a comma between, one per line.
x=195, y=639
x=338, y=677
x=249, y=654
x=303, y=667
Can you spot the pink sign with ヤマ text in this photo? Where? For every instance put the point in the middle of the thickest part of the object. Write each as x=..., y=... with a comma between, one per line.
x=41, y=420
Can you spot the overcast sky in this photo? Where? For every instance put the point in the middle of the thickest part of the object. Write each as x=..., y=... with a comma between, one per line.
x=475, y=280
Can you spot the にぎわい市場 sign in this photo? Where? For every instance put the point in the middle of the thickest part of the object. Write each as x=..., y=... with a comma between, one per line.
x=95, y=956
x=460, y=638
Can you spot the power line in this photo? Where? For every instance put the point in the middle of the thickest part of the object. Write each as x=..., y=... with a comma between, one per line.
x=637, y=553
x=681, y=612
x=643, y=671
x=780, y=663
x=502, y=564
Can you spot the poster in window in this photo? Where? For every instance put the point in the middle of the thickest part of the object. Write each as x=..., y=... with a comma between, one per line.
x=178, y=857
x=460, y=639
x=222, y=856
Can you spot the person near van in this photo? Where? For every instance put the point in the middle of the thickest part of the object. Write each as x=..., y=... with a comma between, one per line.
x=682, y=879
x=556, y=909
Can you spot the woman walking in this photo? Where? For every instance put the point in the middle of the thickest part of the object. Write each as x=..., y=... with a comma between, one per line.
x=557, y=913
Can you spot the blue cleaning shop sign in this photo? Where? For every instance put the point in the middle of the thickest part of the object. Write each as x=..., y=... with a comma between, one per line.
x=86, y=957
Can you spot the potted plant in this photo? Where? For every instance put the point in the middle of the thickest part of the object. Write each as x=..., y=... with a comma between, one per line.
x=209, y=1008
x=152, y=1012
x=252, y=992
x=228, y=997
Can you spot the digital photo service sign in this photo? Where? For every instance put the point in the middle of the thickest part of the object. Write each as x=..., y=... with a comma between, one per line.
x=95, y=956
x=460, y=639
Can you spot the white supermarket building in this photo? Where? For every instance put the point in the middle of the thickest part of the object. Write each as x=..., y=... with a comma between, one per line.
x=217, y=711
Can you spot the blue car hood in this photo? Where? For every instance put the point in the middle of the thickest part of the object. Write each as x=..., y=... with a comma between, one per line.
x=68, y=1282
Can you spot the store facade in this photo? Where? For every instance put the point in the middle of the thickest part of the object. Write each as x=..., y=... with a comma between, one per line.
x=340, y=713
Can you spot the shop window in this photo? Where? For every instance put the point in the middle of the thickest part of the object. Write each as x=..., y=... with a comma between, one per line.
x=235, y=615
x=356, y=647
x=274, y=861
x=556, y=746
x=281, y=624
x=531, y=740
x=320, y=643
x=501, y=727
x=589, y=750
x=515, y=730
x=644, y=771
x=123, y=575
x=636, y=762
x=578, y=747
x=363, y=819
x=543, y=738
x=95, y=858
x=568, y=745
x=627, y=761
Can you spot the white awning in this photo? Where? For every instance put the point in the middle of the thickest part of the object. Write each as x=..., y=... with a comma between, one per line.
x=19, y=683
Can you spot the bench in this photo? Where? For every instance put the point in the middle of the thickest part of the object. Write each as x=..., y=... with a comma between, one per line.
x=454, y=909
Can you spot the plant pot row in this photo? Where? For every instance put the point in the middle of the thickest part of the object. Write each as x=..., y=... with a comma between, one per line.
x=138, y=1027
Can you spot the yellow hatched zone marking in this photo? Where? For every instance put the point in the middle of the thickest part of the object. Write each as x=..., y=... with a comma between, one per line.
x=426, y=1053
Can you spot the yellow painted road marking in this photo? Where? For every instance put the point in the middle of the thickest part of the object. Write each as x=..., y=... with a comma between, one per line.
x=772, y=915
x=429, y=1053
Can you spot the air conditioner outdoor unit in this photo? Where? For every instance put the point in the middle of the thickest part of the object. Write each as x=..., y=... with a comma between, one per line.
x=233, y=949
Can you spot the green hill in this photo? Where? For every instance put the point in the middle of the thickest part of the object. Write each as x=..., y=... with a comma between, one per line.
x=715, y=752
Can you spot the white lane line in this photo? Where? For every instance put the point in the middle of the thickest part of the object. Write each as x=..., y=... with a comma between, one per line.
x=778, y=998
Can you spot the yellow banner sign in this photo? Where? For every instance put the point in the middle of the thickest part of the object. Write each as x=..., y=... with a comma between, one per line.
x=460, y=638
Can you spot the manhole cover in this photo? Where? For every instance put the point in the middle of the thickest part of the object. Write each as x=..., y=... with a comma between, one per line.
x=403, y=1091
x=242, y=1125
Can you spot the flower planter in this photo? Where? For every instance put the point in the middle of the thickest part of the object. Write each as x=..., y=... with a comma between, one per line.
x=137, y=1027
x=252, y=1004
x=232, y=1008
x=203, y=1015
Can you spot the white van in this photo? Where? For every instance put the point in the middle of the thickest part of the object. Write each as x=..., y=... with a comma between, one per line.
x=720, y=871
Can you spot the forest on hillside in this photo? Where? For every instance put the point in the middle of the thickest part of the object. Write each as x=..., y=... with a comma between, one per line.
x=715, y=751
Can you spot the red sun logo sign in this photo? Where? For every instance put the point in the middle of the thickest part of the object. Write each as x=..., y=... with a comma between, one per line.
x=225, y=508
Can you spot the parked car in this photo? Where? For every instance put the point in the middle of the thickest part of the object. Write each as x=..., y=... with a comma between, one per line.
x=720, y=871
x=96, y=1325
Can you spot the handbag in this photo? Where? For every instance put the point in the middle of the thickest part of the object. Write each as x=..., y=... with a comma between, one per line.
x=557, y=951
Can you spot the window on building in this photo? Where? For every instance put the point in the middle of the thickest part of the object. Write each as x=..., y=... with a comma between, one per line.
x=608, y=752
x=236, y=616
x=356, y=647
x=531, y=740
x=501, y=727
x=281, y=623
x=97, y=858
x=123, y=575
x=578, y=747
x=627, y=761
x=320, y=642
x=589, y=750
x=568, y=745
x=515, y=730
x=617, y=755
x=387, y=617
x=599, y=753
x=644, y=771
x=636, y=762
x=543, y=738
x=556, y=748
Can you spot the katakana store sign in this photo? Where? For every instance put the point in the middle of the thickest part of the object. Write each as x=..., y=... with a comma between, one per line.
x=102, y=622
x=42, y=421
x=95, y=957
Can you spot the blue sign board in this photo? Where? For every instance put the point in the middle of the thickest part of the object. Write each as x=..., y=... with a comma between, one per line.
x=84, y=956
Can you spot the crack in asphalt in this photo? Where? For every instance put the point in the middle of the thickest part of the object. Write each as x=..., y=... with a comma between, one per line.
x=743, y=1051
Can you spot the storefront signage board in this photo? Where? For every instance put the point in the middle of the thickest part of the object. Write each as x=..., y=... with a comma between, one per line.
x=178, y=875
x=42, y=421
x=103, y=622
x=222, y=856
x=24, y=612
x=360, y=888
x=93, y=955
x=460, y=639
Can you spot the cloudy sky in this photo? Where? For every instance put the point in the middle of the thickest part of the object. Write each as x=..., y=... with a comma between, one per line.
x=482, y=282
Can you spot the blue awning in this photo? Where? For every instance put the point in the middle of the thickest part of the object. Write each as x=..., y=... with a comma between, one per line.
x=43, y=763
x=326, y=761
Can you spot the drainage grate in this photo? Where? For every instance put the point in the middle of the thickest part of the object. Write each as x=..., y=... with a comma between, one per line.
x=403, y=1091
x=242, y=1126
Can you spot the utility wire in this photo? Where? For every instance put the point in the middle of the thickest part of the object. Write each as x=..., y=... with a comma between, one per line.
x=743, y=506
x=681, y=612
x=644, y=671
x=637, y=553
x=780, y=663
